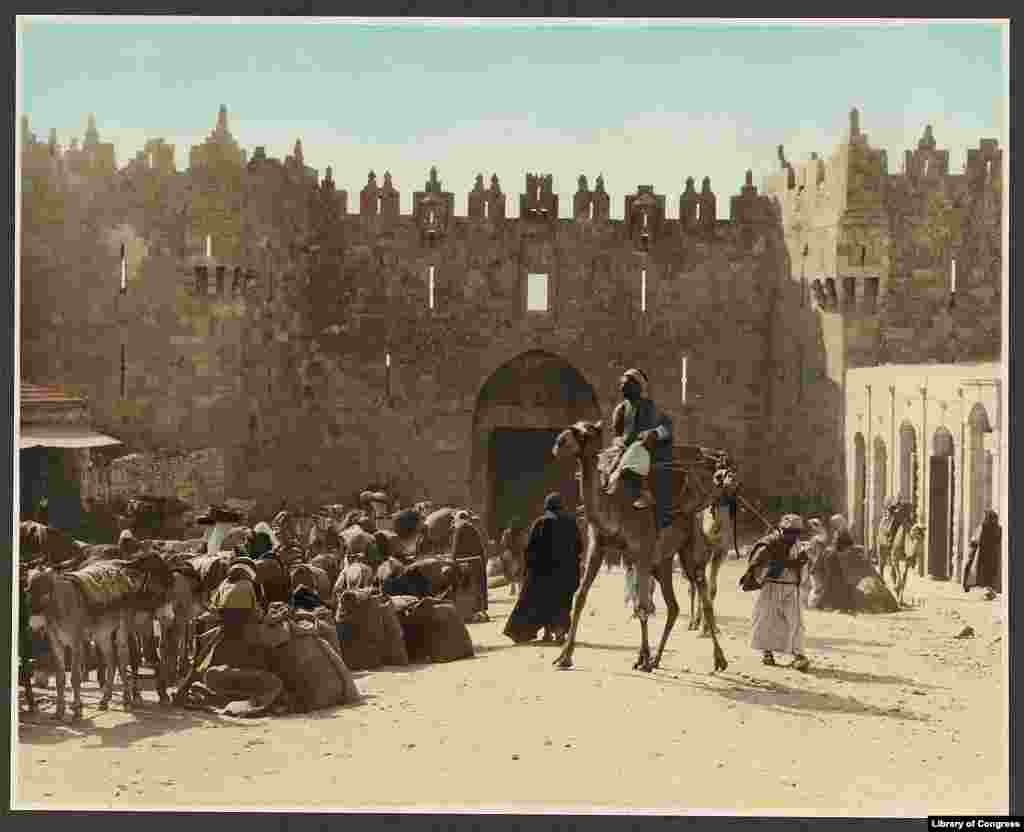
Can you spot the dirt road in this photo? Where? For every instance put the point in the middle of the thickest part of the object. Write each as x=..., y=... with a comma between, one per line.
x=896, y=717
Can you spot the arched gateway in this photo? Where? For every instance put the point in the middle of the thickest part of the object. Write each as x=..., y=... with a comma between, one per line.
x=519, y=411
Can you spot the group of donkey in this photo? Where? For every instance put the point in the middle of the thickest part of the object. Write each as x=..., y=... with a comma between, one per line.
x=80, y=595
x=101, y=596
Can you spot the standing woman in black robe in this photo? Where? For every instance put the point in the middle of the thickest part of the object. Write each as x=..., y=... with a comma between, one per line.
x=552, y=576
x=985, y=555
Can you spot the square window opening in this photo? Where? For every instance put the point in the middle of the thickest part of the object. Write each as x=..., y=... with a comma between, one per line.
x=537, y=293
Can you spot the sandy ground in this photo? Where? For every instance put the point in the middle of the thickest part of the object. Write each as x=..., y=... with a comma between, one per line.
x=896, y=717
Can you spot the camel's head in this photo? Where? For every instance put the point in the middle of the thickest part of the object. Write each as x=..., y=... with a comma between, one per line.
x=577, y=440
x=39, y=591
x=726, y=478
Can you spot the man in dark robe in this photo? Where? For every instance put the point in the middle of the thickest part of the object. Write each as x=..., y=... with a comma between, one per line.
x=638, y=422
x=552, y=576
x=839, y=593
x=984, y=557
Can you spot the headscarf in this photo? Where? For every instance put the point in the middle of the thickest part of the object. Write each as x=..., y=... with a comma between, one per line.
x=640, y=378
x=407, y=522
x=127, y=542
x=791, y=522
x=840, y=531
x=553, y=502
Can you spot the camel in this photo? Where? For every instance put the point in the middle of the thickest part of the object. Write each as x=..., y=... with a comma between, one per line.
x=702, y=476
x=905, y=552
x=898, y=513
x=697, y=561
x=892, y=532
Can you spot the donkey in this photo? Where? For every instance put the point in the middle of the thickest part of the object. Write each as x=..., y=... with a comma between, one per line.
x=58, y=607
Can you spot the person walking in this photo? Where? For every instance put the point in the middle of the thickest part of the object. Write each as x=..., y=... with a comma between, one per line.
x=552, y=576
x=984, y=558
x=774, y=570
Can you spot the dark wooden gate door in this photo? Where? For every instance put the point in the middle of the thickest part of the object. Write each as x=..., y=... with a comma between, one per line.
x=940, y=498
x=524, y=472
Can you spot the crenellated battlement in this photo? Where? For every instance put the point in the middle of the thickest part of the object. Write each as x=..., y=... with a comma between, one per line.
x=221, y=156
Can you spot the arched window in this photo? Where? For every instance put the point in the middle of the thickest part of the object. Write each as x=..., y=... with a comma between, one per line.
x=879, y=482
x=941, y=504
x=909, y=465
x=979, y=466
x=859, y=487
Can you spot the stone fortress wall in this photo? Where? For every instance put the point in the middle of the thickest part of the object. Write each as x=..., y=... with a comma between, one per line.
x=318, y=350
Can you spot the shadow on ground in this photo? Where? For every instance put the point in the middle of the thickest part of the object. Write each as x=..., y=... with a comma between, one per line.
x=776, y=696
x=855, y=677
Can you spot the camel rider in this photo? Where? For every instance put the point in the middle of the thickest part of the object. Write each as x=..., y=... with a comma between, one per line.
x=646, y=434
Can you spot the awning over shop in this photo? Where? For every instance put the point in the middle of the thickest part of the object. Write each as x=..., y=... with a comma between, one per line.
x=63, y=436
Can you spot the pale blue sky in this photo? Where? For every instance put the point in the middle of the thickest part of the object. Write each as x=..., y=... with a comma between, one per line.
x=640, y=103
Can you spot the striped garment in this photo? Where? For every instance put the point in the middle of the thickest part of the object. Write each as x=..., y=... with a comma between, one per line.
x=778, y=620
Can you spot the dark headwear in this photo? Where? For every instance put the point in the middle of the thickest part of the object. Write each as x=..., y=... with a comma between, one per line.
x=553, y=502
x=407, y=522
x=304, y=598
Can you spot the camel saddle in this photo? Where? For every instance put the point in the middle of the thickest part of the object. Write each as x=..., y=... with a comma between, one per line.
x=684, y=459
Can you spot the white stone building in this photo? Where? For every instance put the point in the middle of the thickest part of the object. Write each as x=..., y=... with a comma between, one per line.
x=932, y=433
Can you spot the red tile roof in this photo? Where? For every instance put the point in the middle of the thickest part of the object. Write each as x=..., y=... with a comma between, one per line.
x=42, y=394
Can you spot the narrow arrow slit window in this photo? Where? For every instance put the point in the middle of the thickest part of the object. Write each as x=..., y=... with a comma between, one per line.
x=684, y=377
x=643, y=288
x=430, y=288
x=124, y=269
